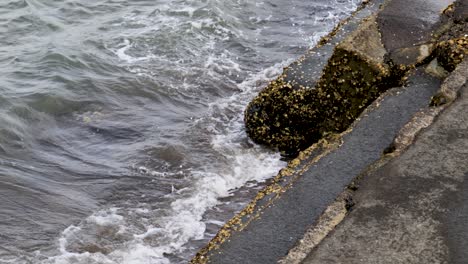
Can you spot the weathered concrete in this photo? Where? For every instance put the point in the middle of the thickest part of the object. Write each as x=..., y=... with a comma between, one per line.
x=366, y=42
x=412, y=209
x=407, y=28
x=461, y=11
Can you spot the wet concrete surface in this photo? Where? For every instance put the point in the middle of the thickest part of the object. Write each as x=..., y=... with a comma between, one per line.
x=267, y=239
x=404, y=23
x=455, y=222
x=405, y=26
x=461, y=11
x=412, y=209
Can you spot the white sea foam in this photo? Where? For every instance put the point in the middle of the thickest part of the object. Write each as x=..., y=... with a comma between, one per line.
x=223, y=63
x=106, y=218
x=122, y=53
x=184, y=221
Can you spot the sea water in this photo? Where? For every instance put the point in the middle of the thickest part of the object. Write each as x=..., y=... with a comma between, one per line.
x=121, y=121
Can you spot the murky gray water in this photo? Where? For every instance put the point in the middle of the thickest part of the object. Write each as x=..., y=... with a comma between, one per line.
x=121, y=134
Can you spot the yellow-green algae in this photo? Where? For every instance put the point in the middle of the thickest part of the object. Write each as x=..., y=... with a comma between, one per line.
x=452, y=46
x=451, y=52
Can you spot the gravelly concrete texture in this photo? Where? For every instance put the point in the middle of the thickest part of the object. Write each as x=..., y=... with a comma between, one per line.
x=413, y=209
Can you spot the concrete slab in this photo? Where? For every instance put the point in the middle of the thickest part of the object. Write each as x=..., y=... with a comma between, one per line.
x=413, y=209
x=461, y=11
x=366, y=42
x=405, y=24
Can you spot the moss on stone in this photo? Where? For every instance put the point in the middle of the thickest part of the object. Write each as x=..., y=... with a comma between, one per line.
x=438, y=100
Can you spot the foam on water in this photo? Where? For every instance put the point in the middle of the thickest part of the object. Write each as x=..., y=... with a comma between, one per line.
x=120, y=52
x=184, y=222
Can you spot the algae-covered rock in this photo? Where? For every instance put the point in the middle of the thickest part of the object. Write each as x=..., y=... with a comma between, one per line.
x=452, y=46
x=291, y=116
x=451, y=52
x=296, y=110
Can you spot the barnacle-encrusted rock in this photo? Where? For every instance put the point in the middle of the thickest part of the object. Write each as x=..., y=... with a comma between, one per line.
x=296, y=110
x=452, y=47
x=450, y=53
x=291, y=116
